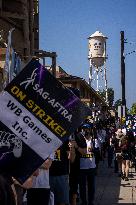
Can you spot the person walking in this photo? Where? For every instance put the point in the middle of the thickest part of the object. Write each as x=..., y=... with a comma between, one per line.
x=116, y=149
x=110, y=151
x=97, y=150
x=126, y=156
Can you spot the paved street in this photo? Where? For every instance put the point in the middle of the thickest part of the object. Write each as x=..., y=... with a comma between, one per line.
x=112, y=190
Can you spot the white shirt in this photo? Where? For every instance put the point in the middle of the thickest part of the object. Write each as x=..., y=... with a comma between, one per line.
x=42, y=180
x=124, y=131
x=87, y=161
x=103, y=135
x=99, y=136
x=97, y=143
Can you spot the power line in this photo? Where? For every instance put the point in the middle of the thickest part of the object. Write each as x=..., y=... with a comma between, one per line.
x=131, y=42
x=130, y=53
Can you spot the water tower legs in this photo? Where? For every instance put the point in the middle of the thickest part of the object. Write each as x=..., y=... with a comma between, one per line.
x=90, y=75
x=97, y=80
x=106, y=86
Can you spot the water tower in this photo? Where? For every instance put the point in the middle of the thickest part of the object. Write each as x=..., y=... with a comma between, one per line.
x=97, y=59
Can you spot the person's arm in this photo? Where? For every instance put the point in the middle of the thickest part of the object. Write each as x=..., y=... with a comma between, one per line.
x=71, y=152
x=14, y=192
x=47, y=164
x=80, y=149
x=120, y=143
x=28, y=183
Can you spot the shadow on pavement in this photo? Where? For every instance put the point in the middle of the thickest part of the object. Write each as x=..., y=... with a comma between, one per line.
x=111, y=190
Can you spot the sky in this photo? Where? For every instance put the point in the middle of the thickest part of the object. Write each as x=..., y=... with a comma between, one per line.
x=65, y=26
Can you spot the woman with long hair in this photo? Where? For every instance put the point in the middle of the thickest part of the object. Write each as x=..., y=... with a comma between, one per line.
x=126, y=156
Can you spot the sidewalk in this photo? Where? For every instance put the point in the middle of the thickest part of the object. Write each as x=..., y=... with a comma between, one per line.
x=112, y=190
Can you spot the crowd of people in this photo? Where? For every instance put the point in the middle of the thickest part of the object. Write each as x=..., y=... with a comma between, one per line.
x=68, y=175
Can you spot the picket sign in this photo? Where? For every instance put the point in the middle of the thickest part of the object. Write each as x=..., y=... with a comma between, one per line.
x=37, y=113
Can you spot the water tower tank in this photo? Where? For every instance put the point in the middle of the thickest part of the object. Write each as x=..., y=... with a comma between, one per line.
x=97, y=49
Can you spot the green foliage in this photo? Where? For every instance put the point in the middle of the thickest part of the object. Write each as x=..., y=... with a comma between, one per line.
x=102, y=93
x=133, y=109
x=117, y=103
x=110, y=96
x=110, y=92
x=127, y=111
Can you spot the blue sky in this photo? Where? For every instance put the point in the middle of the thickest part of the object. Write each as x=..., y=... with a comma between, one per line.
x=65, y=26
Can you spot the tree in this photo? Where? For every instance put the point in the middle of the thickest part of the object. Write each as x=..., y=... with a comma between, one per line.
x=110, y=92
x=110, y=96
x=133, y=109
x=102, y=94
x=117, y=103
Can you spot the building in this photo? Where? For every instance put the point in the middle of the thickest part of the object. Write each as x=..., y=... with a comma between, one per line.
x=2, y=61
x=87, y=94
x=23, y=15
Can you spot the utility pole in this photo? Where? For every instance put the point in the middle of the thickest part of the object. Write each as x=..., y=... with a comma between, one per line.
x=123, y=74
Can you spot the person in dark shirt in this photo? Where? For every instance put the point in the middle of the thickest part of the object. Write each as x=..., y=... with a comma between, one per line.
x=125, y=146
x=117, y=151
x=132, y=141
x=80, y=148
x=59, y=173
